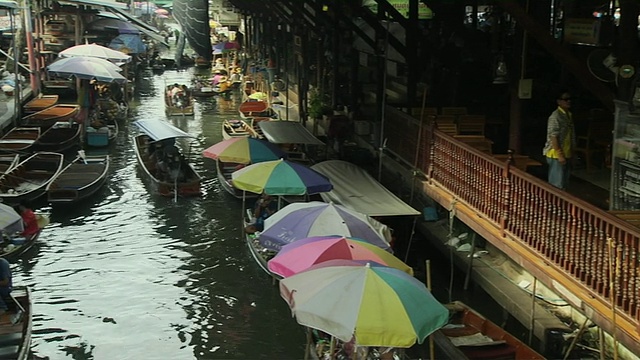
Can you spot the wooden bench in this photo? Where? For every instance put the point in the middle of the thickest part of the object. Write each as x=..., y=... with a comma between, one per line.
x=630, y=216
x=471, y=124
x=476, y=141
x=522, y=162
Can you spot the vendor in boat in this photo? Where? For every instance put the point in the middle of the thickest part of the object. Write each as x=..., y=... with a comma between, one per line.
x=5, y=285
x=29, y=220
x=265, y=207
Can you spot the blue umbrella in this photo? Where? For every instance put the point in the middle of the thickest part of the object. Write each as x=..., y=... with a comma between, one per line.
x=131, y=42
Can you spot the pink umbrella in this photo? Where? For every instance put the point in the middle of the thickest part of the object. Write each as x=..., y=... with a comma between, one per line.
x=162, y=12
x=302, y=254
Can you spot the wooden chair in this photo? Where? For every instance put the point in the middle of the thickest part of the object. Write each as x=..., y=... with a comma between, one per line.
x=597, y=140
x=447, y=124
x=471, y=124
x=455, y=111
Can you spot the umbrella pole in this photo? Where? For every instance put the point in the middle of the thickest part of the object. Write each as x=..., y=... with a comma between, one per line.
x=432, y=350
x=413, y=231
x=244, y=199
x=307, y=348
x=332, y=348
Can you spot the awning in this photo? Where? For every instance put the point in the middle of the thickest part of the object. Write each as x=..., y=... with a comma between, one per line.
x=8, y=5
x=354, y=188
x=288, y=132
x=148, y=30
x=104, y=3
x=161, y=130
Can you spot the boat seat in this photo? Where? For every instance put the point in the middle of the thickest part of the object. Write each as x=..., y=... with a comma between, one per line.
x=9, y=352
x=10, y=339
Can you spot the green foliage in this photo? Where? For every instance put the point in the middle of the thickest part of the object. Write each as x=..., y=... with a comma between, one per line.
x=317, y=105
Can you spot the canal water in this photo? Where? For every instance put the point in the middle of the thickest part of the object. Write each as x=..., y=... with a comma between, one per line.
x=130, y=275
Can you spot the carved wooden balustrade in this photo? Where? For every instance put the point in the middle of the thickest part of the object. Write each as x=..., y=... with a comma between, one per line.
x=595, y=251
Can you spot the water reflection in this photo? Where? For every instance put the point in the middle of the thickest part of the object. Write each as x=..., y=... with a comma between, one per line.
x=127, y=275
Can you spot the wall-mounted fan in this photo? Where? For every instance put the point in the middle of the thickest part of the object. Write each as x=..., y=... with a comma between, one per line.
x=603, y=65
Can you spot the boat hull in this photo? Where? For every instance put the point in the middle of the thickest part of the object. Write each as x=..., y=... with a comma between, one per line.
x=20, y=140
x=190, y=186
x=17, y=325
x=468, y=324
x=28, y=180
x=60, y=137
x=224, y=171
x=237, y=128
x=79, y=180
x=48, y=117
x=40, y=103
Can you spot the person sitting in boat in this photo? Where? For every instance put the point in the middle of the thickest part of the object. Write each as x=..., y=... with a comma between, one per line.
x=5, y=285
x=265, y=207
x=29, y=220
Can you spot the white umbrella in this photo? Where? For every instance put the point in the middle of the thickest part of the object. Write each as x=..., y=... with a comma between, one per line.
x=87, y=68
x=95, y=51
x=10, y=220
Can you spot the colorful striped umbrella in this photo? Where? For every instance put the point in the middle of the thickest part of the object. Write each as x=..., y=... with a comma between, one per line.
x=314, y=218
x=244, y=150
x=300, y=255
x=373, y=305
x=280, y=177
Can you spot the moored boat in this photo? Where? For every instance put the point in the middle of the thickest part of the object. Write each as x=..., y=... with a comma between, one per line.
x=224, y=171
x=255, y=108
x=164, y=168
x=237, y=128
x=7, y=162
x=40, y=103
x=469, y=335
x=83, y=177
x=178, y=100
x=260, y=254
x=28, y=180
x=16, y=325
x=62, y=136
x=19, y=140
x=13, y=244
x=49, y=116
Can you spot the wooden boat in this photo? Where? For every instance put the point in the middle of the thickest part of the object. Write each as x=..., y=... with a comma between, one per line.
x=8, y=162
x=103, y=135
x=28, y=180
x=469, y=335
x=237, y=128
x=255, y=108
x=40, y=103
x=62, y=136
x=178, y=103
x=51, y=115
x=259, y=253
x=224, y=177
x=202, y=89
x=160, y=181
x=19, y=140
x=16, y=325
x=202, y=63
x=14, y=246
x=83, y=177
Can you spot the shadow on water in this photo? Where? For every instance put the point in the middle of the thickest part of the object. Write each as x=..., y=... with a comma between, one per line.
x=129, y=275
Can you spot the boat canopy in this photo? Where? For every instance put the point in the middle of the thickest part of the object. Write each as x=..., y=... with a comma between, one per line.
x=8, y=5
x=288, y=132
x=161, y=130
x=354, y=188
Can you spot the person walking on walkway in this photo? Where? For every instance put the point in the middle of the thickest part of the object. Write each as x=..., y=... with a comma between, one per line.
x=561, y=140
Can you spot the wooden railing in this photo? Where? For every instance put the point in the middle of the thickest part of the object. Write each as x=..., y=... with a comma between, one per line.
x=597, y=251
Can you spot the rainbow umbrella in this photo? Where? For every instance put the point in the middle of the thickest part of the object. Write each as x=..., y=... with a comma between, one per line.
x=373, y=305
x=300, y=255
x=244, y=150
x=301, y=220
x=280, y=177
